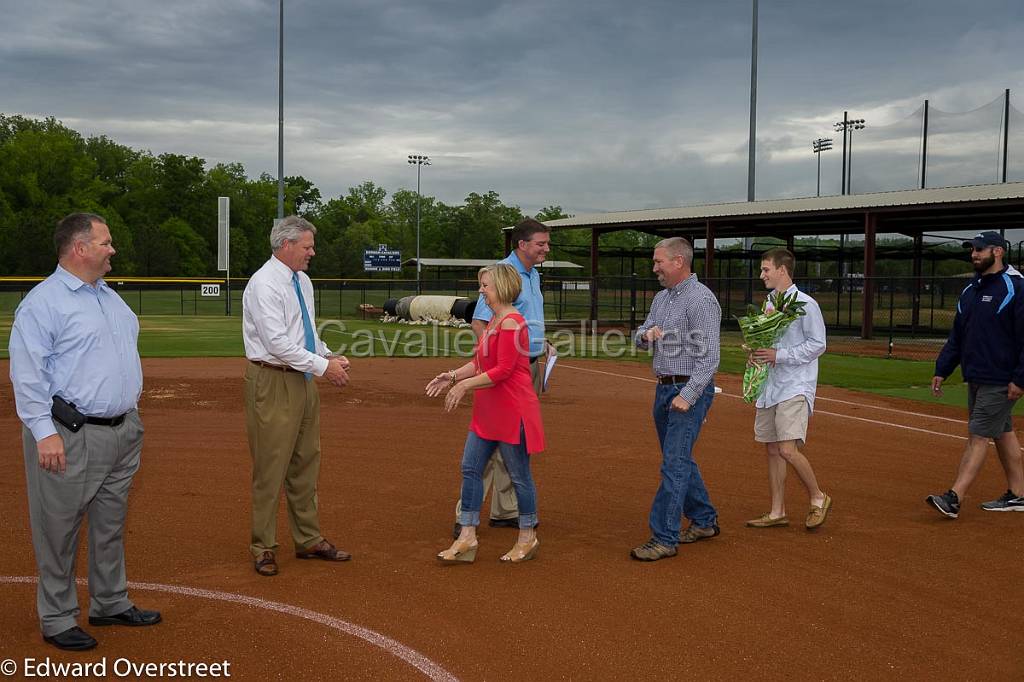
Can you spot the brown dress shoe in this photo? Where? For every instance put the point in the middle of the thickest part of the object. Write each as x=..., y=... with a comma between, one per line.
x=266, y=564
x=323, y=550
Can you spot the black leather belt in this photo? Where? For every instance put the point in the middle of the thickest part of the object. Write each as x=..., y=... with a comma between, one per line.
x=279, y=368
x=674, y=379
x=105, y=421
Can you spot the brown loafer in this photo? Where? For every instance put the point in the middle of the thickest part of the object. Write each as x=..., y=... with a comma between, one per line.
x=768, y=521
x=266, y=564
x=817, y=515
x=323, y=550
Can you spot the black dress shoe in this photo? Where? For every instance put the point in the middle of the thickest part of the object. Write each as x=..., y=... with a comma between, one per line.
x=72, y=639
x=132, y=616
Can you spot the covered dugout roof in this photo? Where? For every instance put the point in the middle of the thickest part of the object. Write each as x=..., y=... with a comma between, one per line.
x=482, y=262
x=966, y=209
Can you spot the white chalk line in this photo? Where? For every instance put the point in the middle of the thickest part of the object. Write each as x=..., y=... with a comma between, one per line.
x=831, y=414
x=393, y=647
x=889, y=409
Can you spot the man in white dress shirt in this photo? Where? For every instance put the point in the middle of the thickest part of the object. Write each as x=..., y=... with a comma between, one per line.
x=282, y=405
x=786, y=403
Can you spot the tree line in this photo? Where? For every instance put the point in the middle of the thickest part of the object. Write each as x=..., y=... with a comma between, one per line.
x=162, y=213
x=162, y=209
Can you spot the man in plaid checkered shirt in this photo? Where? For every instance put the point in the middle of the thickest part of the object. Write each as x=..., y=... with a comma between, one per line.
x=683, y=327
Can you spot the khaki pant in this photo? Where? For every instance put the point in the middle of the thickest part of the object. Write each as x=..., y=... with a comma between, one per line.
x=282, y=419
x=503, y=497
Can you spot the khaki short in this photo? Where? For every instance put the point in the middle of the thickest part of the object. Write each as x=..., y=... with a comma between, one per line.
x=785, y=421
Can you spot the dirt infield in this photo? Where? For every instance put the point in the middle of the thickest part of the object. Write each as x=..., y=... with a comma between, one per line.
x=886, y=589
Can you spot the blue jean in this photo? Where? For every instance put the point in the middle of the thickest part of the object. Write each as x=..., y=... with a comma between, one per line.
x=682, y=491
x=475, y=457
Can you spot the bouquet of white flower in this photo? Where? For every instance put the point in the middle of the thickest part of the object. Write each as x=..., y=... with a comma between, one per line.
x=762, y=329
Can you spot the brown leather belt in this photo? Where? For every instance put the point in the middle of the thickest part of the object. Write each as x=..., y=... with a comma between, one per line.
x=279, y=368
x=674, y=379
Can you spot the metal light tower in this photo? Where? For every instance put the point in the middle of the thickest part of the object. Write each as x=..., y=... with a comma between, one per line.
x=847, y=126
x=822, y=144
x=752, y=135
x=419, y=161
x=280, y=111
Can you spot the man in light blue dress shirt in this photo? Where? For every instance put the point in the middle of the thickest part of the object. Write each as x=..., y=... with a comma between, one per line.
x=74, y=340
x=532, y=241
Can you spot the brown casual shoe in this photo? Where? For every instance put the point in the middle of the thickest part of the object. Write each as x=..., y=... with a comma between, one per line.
x=323, y=550
x=817, y=515
x=695, y=533
x=266, y=564
x=652, y=550
x=766, y=521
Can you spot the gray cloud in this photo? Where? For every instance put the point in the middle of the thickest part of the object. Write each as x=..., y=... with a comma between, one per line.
x=597, y=105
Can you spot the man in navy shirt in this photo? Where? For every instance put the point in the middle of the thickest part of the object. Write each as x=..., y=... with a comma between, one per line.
x=987, y=341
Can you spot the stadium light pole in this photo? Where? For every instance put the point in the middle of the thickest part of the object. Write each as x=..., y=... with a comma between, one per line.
x=419, y=161
x=847, y=126
x=280, y=111
x=752, y=135
x=748, y=242
x=822, y=144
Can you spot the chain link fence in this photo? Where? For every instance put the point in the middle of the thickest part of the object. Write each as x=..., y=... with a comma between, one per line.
x=911, y=316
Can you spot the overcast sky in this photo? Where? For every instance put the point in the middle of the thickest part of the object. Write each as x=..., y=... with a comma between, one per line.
x=594, y=105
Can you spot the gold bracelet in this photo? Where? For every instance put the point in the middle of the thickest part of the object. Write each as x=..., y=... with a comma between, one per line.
x=451, y=380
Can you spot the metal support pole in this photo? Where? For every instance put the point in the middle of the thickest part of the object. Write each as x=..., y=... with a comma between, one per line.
x=594, y=245
x=924, y=145
x=752, y=139
x=845, y=126
x=709, y=250
x=868, y=322
x=849, y=163
x=419, y=264
x=817, y=191
x=280, y=112
x=915, y=314
x=632, y=303
x=1006, y=130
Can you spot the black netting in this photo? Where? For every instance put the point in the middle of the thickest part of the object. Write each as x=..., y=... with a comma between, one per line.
x=885, y=157
x=966, y=148
x=1015, y=147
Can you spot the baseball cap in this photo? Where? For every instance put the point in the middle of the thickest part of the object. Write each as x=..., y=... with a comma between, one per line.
x=985, y=239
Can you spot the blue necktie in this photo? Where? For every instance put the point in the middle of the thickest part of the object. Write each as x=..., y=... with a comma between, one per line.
x=307, y=325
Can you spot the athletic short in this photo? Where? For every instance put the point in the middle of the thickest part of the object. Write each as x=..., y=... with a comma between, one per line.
x=989, y=410
x=784, y=421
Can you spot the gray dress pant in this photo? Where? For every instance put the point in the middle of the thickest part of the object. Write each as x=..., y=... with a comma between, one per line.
x=101, y=461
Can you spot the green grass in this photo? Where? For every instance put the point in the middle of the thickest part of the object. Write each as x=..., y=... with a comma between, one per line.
x=166, y=336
